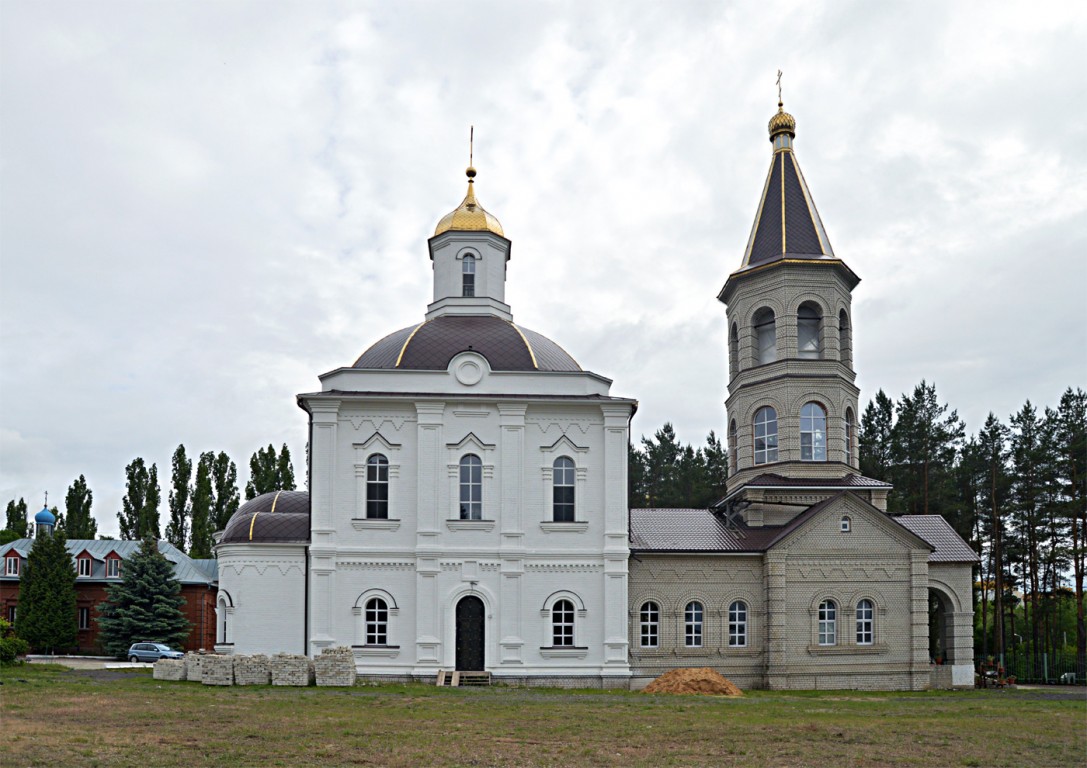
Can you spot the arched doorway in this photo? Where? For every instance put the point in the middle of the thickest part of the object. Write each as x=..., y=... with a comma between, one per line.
x=940, y=647
x=470, y=634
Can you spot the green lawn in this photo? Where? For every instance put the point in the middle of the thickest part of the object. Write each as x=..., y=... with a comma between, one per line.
x=53, y=716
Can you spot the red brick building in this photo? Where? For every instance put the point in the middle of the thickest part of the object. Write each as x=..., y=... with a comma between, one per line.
x=98, y=564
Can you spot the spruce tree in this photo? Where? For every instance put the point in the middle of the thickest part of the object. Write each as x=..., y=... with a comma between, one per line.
x=203, y=499
x=46, y=618
x=16, y=518
x=79, y=522
x=145, y=606
x=177, y=530
x=139, y=516
x=875, y=438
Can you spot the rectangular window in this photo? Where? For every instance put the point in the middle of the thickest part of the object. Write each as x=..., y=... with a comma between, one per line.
x=828, y=623
x=377, y=488
x=650, y=625
x=377, y=622
x=113, y=568
x=11, y=614
x=562, y=624
x=12, y=568
x=693, y=625
x=471, y=488
x=84, y=566
x=84, y=618
x=737, y=625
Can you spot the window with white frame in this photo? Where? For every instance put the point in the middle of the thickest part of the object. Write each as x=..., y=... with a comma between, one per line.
x=813, y=433
x=845, y=524
x=468, y=276
x=649, y=618
x=865, y=622
x=471, y=488
x=11, y=565
x=562, y=624
x=377, y=487
x=84, y=564
x=850, y=429
x=377, y=622
x=766, y=435
x=828, y=623
x=113, y=568
x=692, y=624
x=563, y=479
x=737, y=624
x=84, y=618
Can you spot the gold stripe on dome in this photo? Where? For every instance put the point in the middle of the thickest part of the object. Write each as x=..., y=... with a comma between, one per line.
x=530, y=352
x=253, y=519
x=784, y=249
x=407, y=341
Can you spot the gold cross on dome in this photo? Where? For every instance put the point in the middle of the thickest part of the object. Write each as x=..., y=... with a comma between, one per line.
x=779, y=86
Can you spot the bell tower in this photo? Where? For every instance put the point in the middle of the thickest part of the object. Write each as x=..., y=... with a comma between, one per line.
x=792, y=402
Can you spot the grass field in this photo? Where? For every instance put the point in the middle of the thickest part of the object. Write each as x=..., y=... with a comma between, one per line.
x=53, y=716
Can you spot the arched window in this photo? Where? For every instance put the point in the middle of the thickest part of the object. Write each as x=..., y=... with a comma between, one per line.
x=845, y=341
x=766, y=435
x=828, y=623
x=765, y=336
x=377, y=622
x=562, y=489
x=471, y=488
x=808, y=320
x=692, y=624
x=649, y=618
x=733, y=350
x=732, y=448
x=562, y=623
x=377, y=487
x=468, y=276
x=865, y=619
x=845, y=525
x=737, y=624
x=850, y=429
x=813, y=433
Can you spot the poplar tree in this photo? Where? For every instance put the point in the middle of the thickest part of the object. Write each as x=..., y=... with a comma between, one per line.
x=269, y=472
x=79, y=522
x=177, y=530
x=146, y=605
x=16, y=518
x=46, y=618
x=224, y=477
x=203, y=499
x=139, y=516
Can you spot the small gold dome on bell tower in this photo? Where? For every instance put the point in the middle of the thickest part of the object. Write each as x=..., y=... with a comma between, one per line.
x=782, y=122
x=469, y=216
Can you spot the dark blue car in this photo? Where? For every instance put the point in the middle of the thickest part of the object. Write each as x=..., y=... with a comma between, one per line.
x=152, y=652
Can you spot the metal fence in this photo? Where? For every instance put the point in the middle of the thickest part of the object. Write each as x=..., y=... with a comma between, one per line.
x=1059, y=668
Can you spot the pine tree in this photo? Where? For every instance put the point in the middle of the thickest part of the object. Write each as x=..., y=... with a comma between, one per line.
x=16, y=518
x=875, y=438
x=203, y=500
x=139, y=517
x=716, y=467
x=269, y=472
x=224, y=479
x=924, y=445
x=79, y=522
x=145, y=606
x=993, y=489
x=177, y=529
x=47, y=599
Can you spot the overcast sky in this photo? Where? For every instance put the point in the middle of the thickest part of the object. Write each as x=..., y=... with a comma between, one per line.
x=205, y=205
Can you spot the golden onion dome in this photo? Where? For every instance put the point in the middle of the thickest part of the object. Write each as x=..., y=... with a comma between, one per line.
x=782, y=122
x=469, y=216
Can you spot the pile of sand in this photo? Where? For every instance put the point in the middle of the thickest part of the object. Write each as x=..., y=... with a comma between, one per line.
x=702, y=681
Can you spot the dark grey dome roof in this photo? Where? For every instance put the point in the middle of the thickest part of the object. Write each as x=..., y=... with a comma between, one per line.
x=279, y=516
x=430, y=346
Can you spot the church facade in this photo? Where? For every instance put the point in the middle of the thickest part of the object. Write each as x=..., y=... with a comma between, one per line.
x=468, y=500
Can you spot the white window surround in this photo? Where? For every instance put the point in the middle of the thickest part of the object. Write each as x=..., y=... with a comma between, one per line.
x=470, y=444
x=375, y=444
x=391, y=649
x=845, y=525
x=11, y=565
x=113, y=567
x=547, y=647
x=83, y=564
x=564, y=446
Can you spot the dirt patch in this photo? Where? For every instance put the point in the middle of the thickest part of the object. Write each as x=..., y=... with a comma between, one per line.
x=700, y=681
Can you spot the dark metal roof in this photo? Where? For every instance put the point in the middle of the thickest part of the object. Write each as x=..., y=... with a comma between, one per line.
x=770, y=480
x=280, y=516
x=430, y=346
x=786, y=198
x=949, y=546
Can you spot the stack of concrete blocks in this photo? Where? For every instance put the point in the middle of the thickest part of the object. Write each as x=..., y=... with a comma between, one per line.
x=217, y=670
x=290, y=669
x=193, y=667
x=252, y=670
x=170, y=669
x=335, y=666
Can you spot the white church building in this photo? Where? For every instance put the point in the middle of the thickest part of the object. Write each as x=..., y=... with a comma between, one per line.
x=467, y=506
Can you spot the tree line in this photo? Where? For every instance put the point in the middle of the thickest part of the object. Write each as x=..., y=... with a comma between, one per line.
x=200, y=499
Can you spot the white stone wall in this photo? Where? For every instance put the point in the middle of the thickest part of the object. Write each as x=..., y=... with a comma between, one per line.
x=261, y=598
